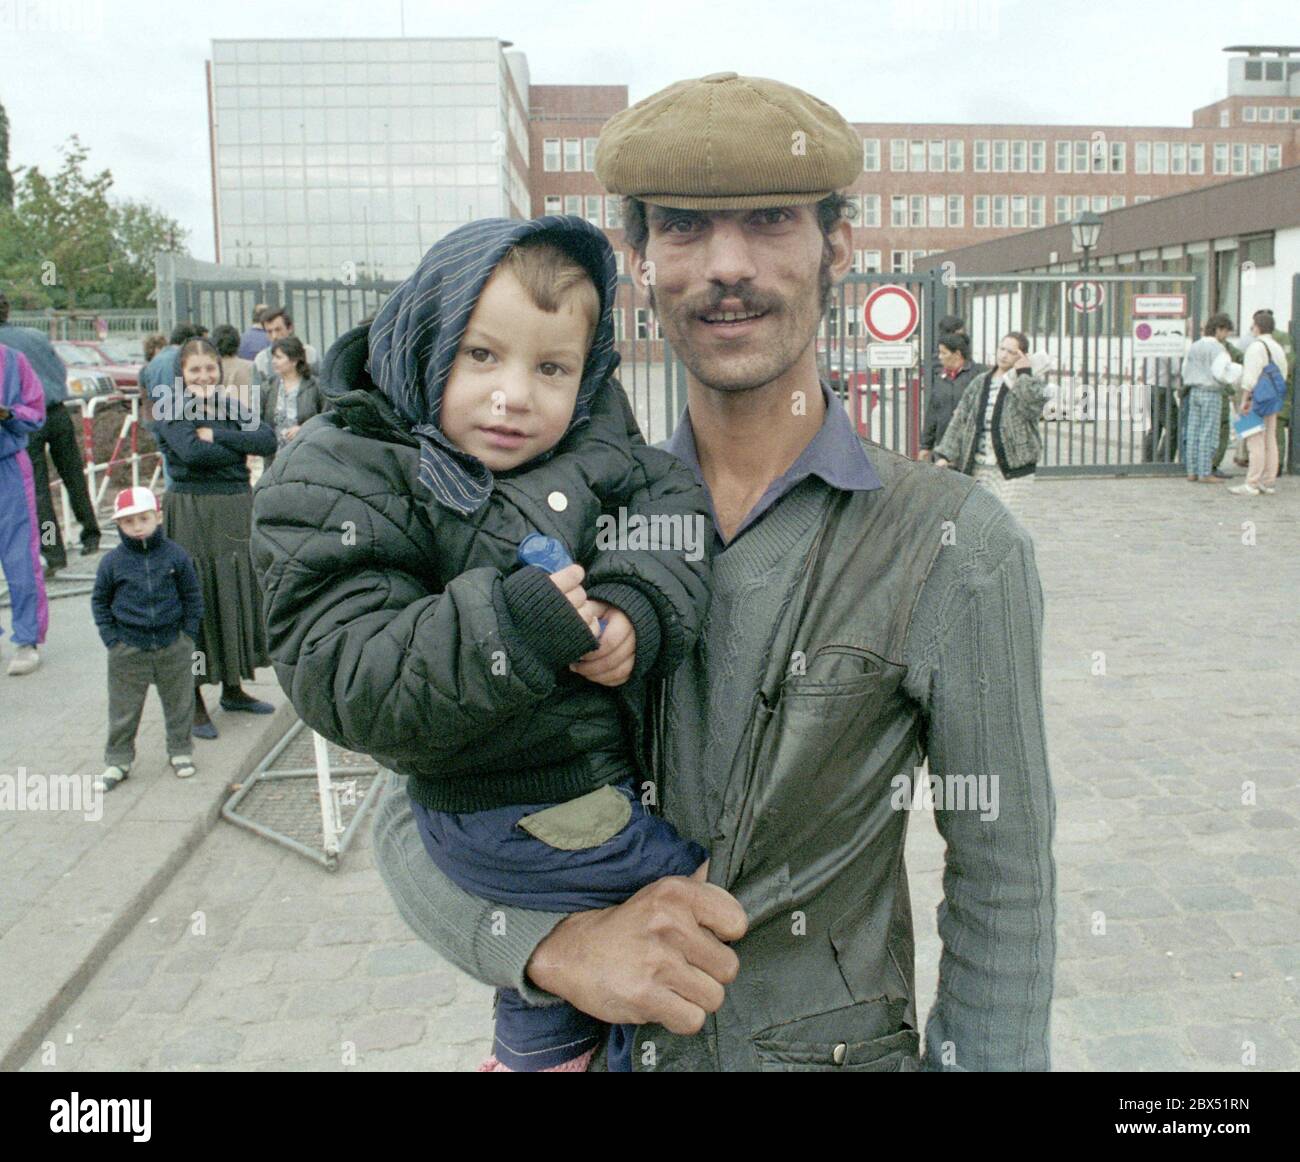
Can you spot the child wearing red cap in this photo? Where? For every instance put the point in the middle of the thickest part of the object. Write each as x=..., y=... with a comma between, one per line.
x=148, y=605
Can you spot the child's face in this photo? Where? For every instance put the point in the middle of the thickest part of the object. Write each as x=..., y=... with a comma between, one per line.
x=139, y=525
x=516, y=376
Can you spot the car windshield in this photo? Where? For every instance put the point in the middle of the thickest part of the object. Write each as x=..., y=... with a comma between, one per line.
x=123, y=350
x=81, y=356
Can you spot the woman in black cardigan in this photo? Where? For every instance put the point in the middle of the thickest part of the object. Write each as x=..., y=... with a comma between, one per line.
x=208, y=510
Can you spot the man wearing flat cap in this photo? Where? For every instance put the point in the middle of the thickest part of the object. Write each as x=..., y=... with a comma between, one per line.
x=874, y=640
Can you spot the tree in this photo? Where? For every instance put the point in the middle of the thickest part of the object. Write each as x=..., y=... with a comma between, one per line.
x=67, y=245
x=6, y=178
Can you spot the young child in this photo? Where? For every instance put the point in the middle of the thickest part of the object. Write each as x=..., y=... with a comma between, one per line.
x=402, y=624
x=147, y=604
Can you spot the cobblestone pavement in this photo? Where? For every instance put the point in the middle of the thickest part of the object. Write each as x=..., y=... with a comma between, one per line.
x=1170, y=670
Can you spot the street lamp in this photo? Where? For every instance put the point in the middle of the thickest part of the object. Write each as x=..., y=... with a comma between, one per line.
x=1085, y=230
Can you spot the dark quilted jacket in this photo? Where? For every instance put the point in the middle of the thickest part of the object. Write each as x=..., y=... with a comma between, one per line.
x=402, y=630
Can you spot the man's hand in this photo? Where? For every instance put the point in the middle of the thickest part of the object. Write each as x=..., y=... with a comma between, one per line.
x=204, y=434
x=925, y=454
x=289, y=433
x=611, y=662
x=940, y=462
x=658, y=957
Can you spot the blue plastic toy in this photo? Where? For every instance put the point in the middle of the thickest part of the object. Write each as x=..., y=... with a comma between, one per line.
x=547, y=554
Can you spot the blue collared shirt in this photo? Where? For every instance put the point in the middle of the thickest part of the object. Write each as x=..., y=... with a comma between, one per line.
x=835, y=454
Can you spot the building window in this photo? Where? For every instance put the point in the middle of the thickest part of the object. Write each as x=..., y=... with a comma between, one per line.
x=1061, y=207
x=1248, y=113
x=957, y=154
x=1019, y=156
x=936, y=161
x=1100, y=160
x=1238, y=157
x=917, y=157
x=956, y=210
x=551, y=155
x=1098, y=203
x=1160, y=157
x=619, y=265
x=999, y=210
x=589, y=154
x=639, y=316
x=897, y=155
x=916, y=256
x=1256, y=158
x=1080, y=204
x=593, y=216
x=1000, y=157
x=1118, y=149
x=1220, y=157
x=572, y=155
x=1196, y=158
x=1279, y=113
x=898, y=261
x=553, y=204
x=613, y=212
x=573, y=205
x=981, y=210
x=1062, y=157
x=871, y=210
x=1225, y=118
x=1266, y=112
x=1295, y=112
x=1018, y=211
x=1137, y=201
x=917, y=210
x=898, y=210
x=938, y=210
x=1081, y=154
x=617, y=313
x=871, y=154
x=1142, y=157
x=1037, y=210
x=1274, y=157
x=1037, y=156
x=981, y=162
x=871, y=262
x=1178, y=157
x=1117, y=201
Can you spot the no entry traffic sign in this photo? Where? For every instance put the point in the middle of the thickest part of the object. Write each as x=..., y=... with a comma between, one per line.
x=890, y=313
x=1087, y=295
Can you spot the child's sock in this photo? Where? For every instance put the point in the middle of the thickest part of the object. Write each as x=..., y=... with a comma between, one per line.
x=577, y=1065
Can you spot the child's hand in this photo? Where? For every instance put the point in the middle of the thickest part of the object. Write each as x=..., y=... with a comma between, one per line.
x=610, y=663
x=568, y=581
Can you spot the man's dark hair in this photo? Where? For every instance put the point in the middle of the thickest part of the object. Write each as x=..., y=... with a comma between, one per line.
x=636, y=229
x=182, y=333
x=4, y=308
x=1022, y=340
x=226, y=340
x=952, y=325
x=1263, y=319
x=259, y=314
x=1216, y=322
x=956, y=341
x=277, y=313
x=153, y=343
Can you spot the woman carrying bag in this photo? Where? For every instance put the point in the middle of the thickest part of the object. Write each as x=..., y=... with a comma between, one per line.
x=994, y=433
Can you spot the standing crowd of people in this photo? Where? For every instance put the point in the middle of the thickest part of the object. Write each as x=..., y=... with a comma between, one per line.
x=176, y=602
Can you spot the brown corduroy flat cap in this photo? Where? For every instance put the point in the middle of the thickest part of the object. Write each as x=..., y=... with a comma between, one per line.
x=726, y=142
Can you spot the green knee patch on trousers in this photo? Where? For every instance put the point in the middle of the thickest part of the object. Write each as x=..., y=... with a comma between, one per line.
x=587, y=821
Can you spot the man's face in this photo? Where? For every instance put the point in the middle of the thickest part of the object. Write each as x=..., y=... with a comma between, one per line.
x=515, y=378
x=277, y=328
x=739, y=293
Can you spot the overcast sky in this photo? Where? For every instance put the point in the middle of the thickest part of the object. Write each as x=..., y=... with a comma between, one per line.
x=127, y=76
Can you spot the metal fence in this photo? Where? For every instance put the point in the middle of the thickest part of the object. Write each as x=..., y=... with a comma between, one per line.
x=117, y=324
x=1110, y=409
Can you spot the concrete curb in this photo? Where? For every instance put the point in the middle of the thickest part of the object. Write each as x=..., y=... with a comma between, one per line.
x=111, y=888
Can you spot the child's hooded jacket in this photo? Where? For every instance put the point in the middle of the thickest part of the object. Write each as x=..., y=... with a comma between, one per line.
x=399, y=621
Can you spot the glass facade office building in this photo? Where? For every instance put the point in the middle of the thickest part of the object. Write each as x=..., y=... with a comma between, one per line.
x=338, y=157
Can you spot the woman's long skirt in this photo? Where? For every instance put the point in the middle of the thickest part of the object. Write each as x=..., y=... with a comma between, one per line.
x=1010, y=492
x=214, y=529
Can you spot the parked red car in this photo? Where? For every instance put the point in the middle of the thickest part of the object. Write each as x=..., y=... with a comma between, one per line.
x=89, y=353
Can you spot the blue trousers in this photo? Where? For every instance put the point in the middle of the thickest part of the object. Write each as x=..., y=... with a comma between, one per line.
x=1203, y=407
x=489, y=855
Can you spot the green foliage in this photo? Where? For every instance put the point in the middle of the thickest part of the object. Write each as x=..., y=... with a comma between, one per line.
x=66, y=244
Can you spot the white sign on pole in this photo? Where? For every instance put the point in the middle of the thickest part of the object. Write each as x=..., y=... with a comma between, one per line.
x=1160, y=305
x=1159, y=338
x=890, y=313
x=891, y=355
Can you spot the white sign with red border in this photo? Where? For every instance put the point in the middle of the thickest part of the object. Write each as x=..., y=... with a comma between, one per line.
x=890, y=313
x=1175, y=305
